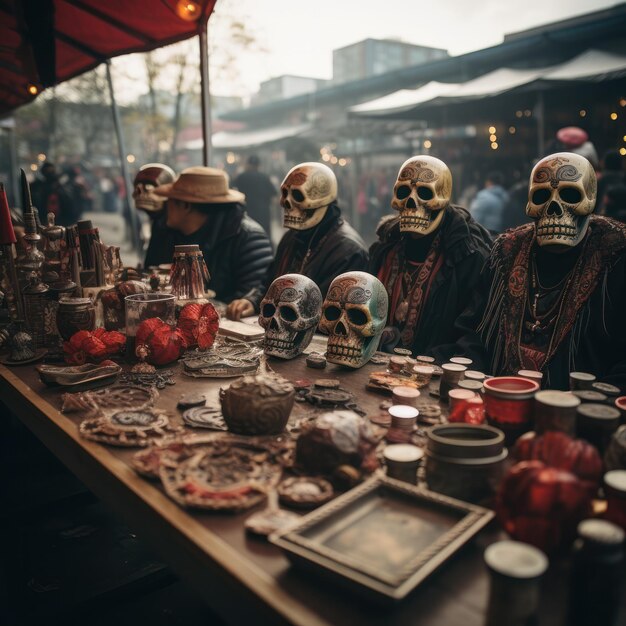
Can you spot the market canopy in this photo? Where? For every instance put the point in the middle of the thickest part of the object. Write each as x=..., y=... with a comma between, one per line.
x=592, y=65
x=248, y=139
x=45, y=42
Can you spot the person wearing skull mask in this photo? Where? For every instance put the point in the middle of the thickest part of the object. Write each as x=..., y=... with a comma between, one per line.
x=319, y=244
x=429, y=257
x=553, y=292
x=148, y=178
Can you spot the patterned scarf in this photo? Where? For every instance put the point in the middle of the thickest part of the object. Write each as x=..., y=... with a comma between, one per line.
x=391, y=275
x=502, y=321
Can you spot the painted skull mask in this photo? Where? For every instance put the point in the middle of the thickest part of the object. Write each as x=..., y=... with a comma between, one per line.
x=561, y=198
x=421, y=194
x=305, y=194
x=290, y=312
x=354, y=315
x=148, y=178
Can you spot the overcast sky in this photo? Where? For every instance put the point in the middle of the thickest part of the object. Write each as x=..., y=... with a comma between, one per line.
x=299, y=37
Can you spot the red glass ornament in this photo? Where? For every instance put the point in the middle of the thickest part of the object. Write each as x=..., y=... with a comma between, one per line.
x=165, y=344
x=542, y=505
x=198, y=324
x=93, y=346
x=558, y=449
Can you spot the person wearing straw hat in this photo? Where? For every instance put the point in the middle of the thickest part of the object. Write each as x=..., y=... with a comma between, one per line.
x=203, y=210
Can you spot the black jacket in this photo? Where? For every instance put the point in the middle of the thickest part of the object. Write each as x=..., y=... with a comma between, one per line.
x=162, y=241
x=335, y=248
x=465, y=246
x=236, y=249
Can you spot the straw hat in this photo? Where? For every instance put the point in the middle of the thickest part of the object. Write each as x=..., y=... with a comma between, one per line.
x=202, y=185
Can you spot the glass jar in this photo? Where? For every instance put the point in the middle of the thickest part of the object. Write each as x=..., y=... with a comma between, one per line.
x=144, y=306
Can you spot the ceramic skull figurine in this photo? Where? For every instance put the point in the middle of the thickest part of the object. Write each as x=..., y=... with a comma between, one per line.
x=290, y=312
x=421, y=194
x=561, y=197
x=354, y=314
x=305, y=194
x=148, y=177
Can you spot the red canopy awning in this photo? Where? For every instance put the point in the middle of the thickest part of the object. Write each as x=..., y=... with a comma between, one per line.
x=45, y=42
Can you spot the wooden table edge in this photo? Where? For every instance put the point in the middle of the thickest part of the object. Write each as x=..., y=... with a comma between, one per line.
x=243, y=571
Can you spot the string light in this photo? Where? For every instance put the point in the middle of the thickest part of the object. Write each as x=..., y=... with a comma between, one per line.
x=130, y=158
x=494, y=146
x=428, y=144
x=33, y=167
x=334, y=160
x=624, y=137
x=41, y=156
x=622, y=102
x=622, y=151
x=492, y=130
x=188, y=10
x=33, y=90
x=492, y=137
x=613, y=116
x=582, y=113
x=519, y=113
x=527, y=113
x=326, y=157
x=230, y=158
x=512, y=130
x=342, y=162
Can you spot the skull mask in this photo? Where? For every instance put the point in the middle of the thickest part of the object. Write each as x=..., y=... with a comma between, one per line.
x=354, y=315
x=561, y=197
x=290, y=312
x=148, y=177
x=421, y=194
x=305, y=194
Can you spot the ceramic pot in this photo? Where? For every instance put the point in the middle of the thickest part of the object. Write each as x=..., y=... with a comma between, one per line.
x=258, y=405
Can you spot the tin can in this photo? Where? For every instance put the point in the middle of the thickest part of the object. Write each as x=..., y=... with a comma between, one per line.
x=74, y=314
x=581, y=380
x=556, y=410
x=615, y=491
x=509, y=404
x=402, y=461
x=464, y=461
x=515, y=570
x=596, y=423
x=407, y=396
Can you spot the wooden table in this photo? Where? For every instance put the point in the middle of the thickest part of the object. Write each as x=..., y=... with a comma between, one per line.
x=240, y=577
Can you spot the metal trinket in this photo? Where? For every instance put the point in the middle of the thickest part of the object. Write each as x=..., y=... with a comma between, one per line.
x=158, y=379
x=189, y=400
x=205, y=417
x=129, y=428
x=109, y=398
x=305, y=492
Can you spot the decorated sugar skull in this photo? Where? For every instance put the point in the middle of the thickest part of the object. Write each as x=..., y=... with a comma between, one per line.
x=561, y=197
x=421, y=194
x=148, y=177
x=354, y=314
x=305, y=194
x=290, y=312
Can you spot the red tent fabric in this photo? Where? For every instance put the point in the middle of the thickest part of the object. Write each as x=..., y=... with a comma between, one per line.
x=45, y=42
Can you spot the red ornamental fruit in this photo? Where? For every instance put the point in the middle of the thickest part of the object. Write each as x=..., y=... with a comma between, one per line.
x=165, y=343
x=557, y=449
x=198, y=324
x=542, y=505
x=93, y=346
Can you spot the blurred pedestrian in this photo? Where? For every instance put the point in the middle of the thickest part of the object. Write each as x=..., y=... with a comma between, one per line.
x=77, y=188
x=612, y=175
x=615, y=202
x=50, y=196
x=490, y=202
x=259, y=191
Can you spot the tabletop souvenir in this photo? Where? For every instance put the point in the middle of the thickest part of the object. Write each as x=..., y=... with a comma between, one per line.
x=120, y=396
x=70, y=376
